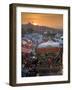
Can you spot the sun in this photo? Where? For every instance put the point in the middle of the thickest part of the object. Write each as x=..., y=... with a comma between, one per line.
x=34, y=23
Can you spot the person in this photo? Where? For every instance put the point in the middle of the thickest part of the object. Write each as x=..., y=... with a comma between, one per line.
x=50, y=62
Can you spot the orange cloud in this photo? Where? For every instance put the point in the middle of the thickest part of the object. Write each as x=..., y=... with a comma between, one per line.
x=50, y=20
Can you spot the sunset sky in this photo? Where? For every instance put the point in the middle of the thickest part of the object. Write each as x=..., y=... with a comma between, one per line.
x=50, y=20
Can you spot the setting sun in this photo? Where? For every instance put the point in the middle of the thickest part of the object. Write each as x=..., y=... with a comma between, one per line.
x=34, y=23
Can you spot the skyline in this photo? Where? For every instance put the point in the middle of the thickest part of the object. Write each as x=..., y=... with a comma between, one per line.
x=49, y=20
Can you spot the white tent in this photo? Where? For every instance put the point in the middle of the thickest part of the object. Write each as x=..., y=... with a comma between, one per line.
x=49, y=44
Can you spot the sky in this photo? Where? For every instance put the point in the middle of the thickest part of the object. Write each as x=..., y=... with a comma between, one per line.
x=49, y=20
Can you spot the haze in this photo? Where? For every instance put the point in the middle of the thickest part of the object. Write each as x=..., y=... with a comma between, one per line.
x=49, y=20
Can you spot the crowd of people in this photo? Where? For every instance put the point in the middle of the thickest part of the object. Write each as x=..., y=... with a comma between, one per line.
x=33, y=66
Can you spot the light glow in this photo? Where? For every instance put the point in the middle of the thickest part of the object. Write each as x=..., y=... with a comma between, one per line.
x=34, y=23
